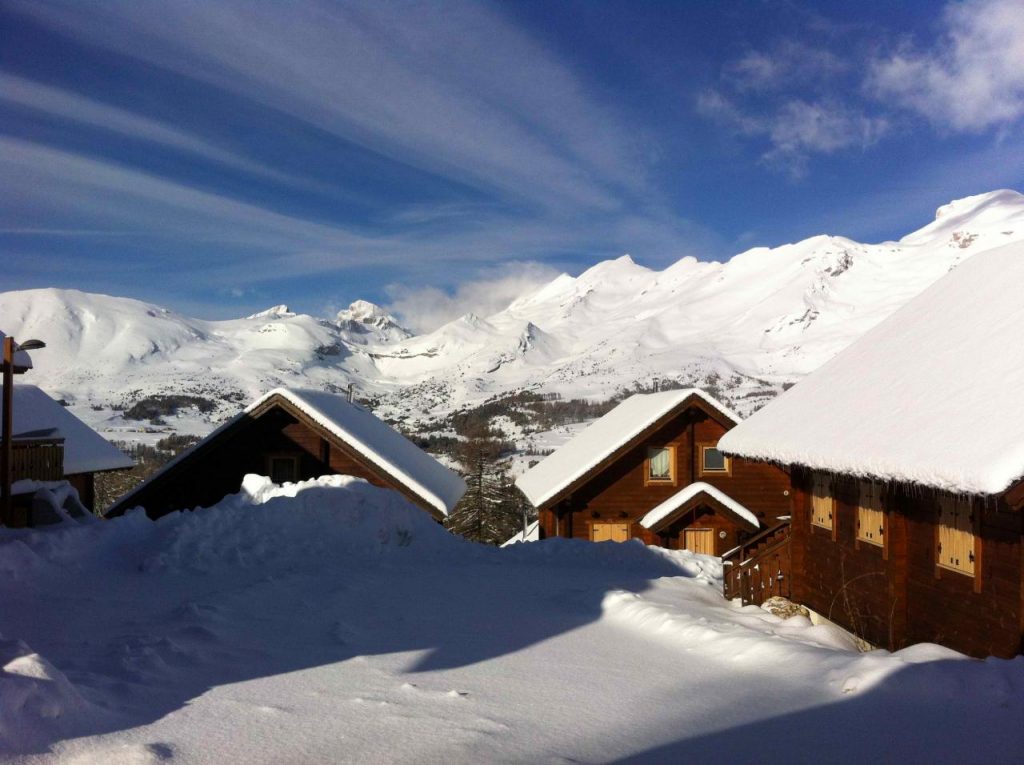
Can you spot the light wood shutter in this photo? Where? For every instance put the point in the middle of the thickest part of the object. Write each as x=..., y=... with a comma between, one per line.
x=609, y=532
x=822, y=504
x=956, y=545
x=870, y=518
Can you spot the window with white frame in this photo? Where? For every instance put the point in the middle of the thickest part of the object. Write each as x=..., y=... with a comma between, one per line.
x=661, y=464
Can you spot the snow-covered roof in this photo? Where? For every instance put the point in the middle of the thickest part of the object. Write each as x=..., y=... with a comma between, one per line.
x=379, y=443
x=372, y=438
x=677, y=500
x=933, y=395
x=604, y=438
x=85, y=450
x=22, y=360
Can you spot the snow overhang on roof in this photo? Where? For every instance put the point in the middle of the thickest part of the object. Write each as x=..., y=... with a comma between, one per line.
x=22, y=361
x=654, y=518
x=934, y=395
x=606, y=436
x=379, y=443
x=85, y=450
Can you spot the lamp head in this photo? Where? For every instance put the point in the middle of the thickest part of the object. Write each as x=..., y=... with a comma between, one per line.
x=31, y=345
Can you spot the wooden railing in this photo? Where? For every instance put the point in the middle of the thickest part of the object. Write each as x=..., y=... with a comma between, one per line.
x=759, y=568
x=37, y=459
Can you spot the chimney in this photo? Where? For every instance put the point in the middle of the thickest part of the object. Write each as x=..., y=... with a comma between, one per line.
x=351, y=392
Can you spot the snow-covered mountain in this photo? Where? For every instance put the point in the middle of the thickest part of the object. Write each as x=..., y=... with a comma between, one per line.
x=744, y=327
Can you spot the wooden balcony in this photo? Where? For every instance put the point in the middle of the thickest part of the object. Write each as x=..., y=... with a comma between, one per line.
x=759, y=568
x=37, y=458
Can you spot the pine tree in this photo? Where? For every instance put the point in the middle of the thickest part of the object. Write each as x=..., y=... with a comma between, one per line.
x=490, y=511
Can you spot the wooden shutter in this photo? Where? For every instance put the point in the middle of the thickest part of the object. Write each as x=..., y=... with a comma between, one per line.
x=956, y=545
x=822, y=504
x=870, y=518
x=609, y=532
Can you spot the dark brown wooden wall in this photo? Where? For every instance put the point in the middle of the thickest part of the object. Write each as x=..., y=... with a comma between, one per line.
x=85, y=485
x=217, y=470
x=896, y=596
x=619, y=493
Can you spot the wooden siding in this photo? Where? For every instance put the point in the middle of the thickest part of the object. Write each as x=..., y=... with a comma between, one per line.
x=896, y=594
x=620, y=492
x=217, y=467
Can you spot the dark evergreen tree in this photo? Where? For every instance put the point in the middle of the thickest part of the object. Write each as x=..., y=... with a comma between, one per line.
x=489, y=511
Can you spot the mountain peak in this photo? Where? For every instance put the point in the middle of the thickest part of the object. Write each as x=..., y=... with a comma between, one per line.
x=274, y=312
x=976, y=202
x=364, y=322
x=362, y=310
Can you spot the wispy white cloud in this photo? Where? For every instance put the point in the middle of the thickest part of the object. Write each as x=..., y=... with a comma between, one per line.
x=455, y=90
x=65, y=105
x=797, y=129
x=786, y=63
x=970, y=79
x=424, y=309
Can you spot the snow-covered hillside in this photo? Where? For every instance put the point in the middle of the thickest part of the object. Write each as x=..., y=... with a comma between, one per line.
x=743, y=327
x=334, y=622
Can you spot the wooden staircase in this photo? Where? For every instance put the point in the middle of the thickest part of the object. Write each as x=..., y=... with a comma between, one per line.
x=759, y=568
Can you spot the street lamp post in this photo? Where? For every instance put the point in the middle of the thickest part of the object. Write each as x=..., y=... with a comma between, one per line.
x=10, y=347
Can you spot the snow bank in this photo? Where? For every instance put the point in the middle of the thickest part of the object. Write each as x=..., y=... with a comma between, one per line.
x=934, y=395
x=297, y=523
x=36, y=699
x=333, y=621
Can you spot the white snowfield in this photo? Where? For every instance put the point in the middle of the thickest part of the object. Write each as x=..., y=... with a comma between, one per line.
x=763, y=318
x=677, y=500
x=368, y=435
x=934, y=395
x=603, y=438
x=85, y=450
x=333, y=622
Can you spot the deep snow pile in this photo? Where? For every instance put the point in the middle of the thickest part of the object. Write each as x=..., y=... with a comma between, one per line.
x=331, y=621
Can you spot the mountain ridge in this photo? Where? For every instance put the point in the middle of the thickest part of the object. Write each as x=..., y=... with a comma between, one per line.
x=742, y=327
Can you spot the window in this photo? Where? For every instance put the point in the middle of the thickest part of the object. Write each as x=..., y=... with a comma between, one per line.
x=712, y=460
x=870, y=517
x=822, y=503
x=956, y=544
x=283, y=469
x=661, y=464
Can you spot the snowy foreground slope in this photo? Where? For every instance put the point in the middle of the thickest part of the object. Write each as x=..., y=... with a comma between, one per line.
x=333, y=622
x=744, y=327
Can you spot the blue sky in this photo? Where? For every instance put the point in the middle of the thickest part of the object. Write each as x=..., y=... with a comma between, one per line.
x=218, y=157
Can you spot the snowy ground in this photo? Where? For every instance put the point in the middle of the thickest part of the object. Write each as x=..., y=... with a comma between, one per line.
x=341, y=625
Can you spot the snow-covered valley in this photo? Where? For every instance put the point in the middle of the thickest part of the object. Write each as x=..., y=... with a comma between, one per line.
x=333, y=622
x=742, y=328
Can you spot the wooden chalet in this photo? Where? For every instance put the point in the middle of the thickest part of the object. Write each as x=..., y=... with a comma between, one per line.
x=50, y=444
x=906, y=454
x=294, y=435
x=651, y=470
